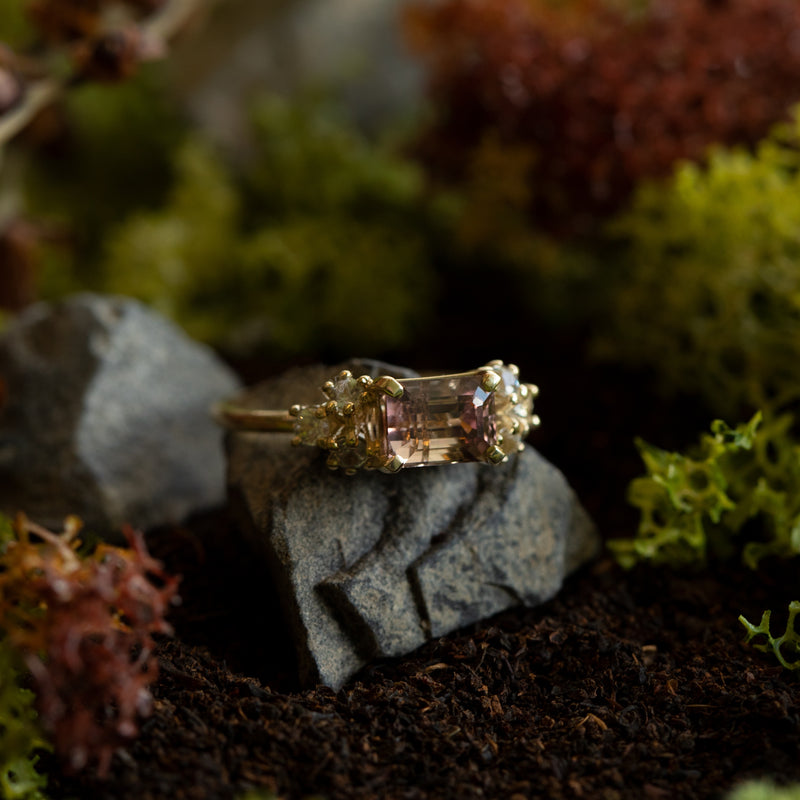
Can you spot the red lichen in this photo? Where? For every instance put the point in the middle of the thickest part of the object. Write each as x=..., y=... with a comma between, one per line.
x=603, y=100
x=84, y=626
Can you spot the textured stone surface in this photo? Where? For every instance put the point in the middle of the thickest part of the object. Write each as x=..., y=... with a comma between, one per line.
x=106, y=415
x=374, y=565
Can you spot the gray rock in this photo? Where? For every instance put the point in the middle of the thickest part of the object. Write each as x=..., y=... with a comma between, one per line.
x=106, y=415
x=374, y=565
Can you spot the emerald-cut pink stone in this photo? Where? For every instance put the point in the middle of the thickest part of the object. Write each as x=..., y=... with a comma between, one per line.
x=448, y=418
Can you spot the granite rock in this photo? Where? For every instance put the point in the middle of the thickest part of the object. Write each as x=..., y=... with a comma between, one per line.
x=374, y=565
x=104, y=413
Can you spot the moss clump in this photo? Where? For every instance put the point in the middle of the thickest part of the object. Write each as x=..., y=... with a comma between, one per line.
x=710, y=286
x=764, y=790
x=15, y=29
x=112, y=156
x=326, y=243
x=21, y=737
x=736, y=493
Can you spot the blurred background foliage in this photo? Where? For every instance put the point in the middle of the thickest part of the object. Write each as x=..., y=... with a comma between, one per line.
x=324, y=239
x=709, y=285
x=622, y=169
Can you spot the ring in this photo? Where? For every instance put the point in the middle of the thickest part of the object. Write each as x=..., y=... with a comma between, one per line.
x=390, y=424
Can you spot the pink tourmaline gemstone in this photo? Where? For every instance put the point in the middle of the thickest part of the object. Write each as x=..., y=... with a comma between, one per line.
x=449, y=418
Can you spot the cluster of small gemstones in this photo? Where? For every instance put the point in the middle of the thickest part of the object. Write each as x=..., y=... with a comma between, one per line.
x=348, y=424
x=513, y=407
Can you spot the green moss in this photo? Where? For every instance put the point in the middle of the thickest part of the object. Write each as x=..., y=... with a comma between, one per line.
x=324, y=244
x=765, y=790
x=310, y=160
x=165, y=257
x=20, y=736
x=114, y=158
x=709, y=290
x=6, y=532
x=736, y=493
x=15, y=29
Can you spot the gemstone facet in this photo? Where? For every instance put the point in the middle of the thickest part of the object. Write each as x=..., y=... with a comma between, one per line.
x=445, y=419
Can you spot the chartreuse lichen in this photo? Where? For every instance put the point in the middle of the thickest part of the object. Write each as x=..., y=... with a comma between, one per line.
x=765, y=790
x=14, y=26
x=698, y=505
x=709, y=291
x=737, y=494
x=786, y=647
x=21, y=737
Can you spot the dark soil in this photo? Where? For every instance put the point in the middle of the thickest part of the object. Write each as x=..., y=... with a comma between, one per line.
x=627, y=685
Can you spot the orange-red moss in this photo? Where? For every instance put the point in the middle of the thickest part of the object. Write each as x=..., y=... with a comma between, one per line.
x=84, y=627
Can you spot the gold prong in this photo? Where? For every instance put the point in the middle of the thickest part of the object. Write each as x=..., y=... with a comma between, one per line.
x=490, y=380
x=514, y=399
x=524, y=391
x=332, y=462
x=515, y=426
x=514, y=370
x=496, y=363
x=328, y=388
x=319, y=412
x=533, y=389
x=365, y=381
x=330, y=408
x=344, y=375
x=389, y=385
x=392, y=464
x=349, y=409
x=535, y=421
x=351, y=439
x=494, y=455
x=520, y=447
x=350, y=471
x=329, y=443
x=295, y=410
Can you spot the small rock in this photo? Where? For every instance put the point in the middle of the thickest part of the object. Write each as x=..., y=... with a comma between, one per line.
x=106, y=415
x=374, y=565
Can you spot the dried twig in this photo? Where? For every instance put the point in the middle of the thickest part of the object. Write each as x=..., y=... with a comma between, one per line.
x=37, y=96
x=153, y=34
